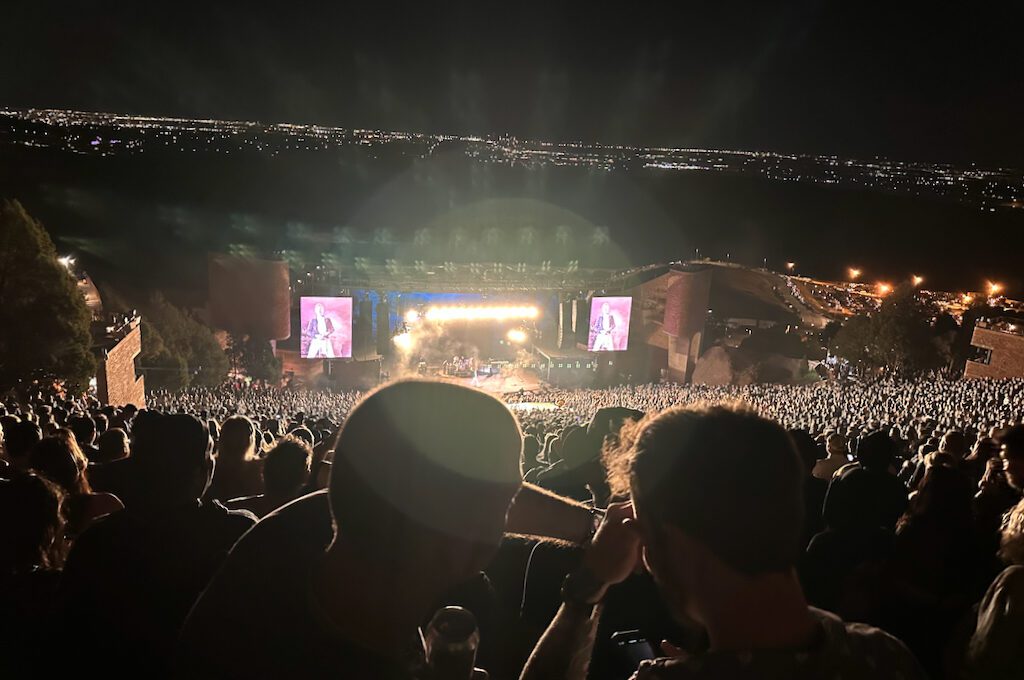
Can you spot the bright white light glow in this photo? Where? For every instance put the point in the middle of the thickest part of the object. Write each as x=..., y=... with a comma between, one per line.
x=412, y=316
x=517, y=336
x=403, y=341
x=460, y=313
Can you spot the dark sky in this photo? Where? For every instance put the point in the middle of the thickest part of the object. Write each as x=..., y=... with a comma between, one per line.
x=936, y=83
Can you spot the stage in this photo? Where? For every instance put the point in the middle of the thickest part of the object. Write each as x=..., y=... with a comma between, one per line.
x=513, y=380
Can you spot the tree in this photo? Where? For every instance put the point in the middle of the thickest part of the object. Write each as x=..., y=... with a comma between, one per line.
x=854, y=340
x=44, y=322
x=177, y=349
x=899, y=336
x=254, y=357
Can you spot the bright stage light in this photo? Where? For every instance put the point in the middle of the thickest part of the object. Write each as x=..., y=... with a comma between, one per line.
x=461, y=313
x=918, y=280
x=994, y=288
x=403, y=341
x=412, y=316
x=884, y=289
x=854, y=273
x=517, y=336
x=67, y=261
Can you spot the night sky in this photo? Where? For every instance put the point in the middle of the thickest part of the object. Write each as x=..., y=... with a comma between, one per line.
x=939, y=83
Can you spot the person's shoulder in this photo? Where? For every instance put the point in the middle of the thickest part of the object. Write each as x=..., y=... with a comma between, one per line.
x=860, y=643
x=305, y=520
x=1008, y=586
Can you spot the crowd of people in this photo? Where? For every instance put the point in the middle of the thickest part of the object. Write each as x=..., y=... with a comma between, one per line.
x=765, y=531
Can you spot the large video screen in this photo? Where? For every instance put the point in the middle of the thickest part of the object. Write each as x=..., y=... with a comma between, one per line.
x=326, y=327
x=609, y=324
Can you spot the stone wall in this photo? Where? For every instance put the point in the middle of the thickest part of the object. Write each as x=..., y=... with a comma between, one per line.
x=1006, y=359
x=116, y=379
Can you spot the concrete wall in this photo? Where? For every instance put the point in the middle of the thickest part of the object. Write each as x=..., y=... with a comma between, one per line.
x=1007, y=359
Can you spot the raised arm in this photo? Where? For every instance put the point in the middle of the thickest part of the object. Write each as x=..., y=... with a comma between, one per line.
x=565, y=648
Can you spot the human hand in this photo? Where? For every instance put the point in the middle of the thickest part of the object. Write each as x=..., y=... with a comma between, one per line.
x=614, y=552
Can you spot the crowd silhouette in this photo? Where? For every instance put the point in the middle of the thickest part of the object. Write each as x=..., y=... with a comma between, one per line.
x=847, y=530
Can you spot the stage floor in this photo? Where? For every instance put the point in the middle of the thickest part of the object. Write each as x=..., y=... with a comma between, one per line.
x=513, y=381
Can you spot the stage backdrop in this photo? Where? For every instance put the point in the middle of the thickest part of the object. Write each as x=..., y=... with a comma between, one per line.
x=609, y=324
x=331, y=337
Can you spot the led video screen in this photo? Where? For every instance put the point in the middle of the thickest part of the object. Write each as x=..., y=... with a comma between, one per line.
x=326, y=327
x=609, y=324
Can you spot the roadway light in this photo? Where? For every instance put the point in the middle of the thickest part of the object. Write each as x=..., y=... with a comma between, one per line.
x=854, y=273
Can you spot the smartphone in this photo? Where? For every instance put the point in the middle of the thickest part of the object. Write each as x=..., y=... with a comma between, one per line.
x=633, y=647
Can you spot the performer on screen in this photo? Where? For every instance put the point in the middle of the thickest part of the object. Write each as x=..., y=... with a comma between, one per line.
x=604, y=326
x=319, y=330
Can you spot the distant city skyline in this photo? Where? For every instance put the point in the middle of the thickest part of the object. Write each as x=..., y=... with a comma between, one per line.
x=109, y=133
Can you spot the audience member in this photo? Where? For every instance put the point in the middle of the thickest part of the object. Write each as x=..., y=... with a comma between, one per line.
x=131, y=578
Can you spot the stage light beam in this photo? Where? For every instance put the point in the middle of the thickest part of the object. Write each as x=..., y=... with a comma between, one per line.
x=517, y=336
x=462, y=313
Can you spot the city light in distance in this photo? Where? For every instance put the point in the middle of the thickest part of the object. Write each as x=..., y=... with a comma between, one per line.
x=884, y=288
x=791, y=266
x=967, y=298
x=517, y=336
x=462, y=313
x=994, y=288
x=854, y=273
x=918, y=280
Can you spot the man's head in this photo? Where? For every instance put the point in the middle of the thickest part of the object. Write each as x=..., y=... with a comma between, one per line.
x=113, y=445
x=836, y=445
x=425, y=471
x=1012, y=453
x=84, y=429
x=173, y=455
x=954, y=443
x=19, y=439
x=718, y=493
x=606, y=308
x=286, y=468
x=876, y=451
x=318, y=309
